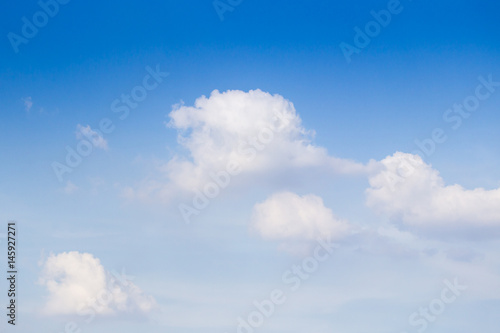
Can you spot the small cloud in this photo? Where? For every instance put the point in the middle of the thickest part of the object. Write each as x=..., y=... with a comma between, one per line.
x=70, y=188
x=87, y=133
x=28, y=103
x=287, y=216
x=77, y=282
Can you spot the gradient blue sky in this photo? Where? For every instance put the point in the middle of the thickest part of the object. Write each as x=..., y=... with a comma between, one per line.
x=394, y=92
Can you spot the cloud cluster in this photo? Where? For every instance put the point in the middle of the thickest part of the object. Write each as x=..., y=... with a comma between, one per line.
x=78, y=284
x=256, y=131
x=288, y=216
x=261, y=135
x=410, y=191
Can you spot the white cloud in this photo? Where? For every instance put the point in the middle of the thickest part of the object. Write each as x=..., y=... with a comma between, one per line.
x=78, y=284
x=28, y=103
x=288, y=216
x=70, y=188
x=87, y=133
x=412, y=192
x=255, y=130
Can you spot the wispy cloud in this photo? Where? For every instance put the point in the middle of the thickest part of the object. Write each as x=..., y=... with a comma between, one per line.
x=28, y=103
x=70, y=188
x=87, y=133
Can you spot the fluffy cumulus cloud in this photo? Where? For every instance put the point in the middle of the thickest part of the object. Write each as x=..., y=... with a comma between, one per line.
x=77, y=283
x=410, y=191
x=240, y=132
x=87, y=133
x=288, y=216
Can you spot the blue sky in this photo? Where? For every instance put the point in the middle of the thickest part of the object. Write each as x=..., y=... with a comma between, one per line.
x=334, y=172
